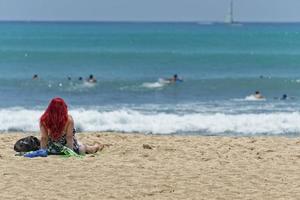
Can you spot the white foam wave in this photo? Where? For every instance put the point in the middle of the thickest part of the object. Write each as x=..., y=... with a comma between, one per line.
x=253, y=98
x=153, y=85
x=88, y=84
x=159, y=84
x=85, y=85
x=19, y=119
x=13, y=119
x=71, y=86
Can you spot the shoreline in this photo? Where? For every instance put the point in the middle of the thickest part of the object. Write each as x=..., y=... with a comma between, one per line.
x=139, y=166
x=37, y=133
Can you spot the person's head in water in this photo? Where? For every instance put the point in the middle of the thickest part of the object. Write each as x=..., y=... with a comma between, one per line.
x=175, y=76
x=35, y=76
x=258, y=95
x=80, y=78
x=284, y=97
x=69, y=78
x=91, y=79
x=55, y=117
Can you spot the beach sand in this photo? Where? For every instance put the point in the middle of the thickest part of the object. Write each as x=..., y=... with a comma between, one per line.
x=177, y=167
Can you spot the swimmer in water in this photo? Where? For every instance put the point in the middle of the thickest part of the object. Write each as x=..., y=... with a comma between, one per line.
x=258, y=95
x=91, y=79
x=174, y=79
x=284, y=97
x=35, y=76
x=80, y=78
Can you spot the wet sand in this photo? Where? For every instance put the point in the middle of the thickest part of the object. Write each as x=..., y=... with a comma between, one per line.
x=139, y=166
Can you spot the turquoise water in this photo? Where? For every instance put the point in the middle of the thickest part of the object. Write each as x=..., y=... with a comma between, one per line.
x=221, y=65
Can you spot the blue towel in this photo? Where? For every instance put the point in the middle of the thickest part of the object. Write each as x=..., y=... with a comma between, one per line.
x=37, y=153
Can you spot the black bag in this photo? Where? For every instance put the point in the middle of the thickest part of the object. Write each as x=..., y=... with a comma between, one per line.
x=26, y=144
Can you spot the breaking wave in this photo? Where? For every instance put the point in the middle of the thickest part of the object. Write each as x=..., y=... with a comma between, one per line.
x=129, y=120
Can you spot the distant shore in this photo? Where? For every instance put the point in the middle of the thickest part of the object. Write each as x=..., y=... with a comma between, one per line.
x=138, y=166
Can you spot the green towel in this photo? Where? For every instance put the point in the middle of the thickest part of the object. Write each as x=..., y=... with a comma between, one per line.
x=67, y=152
x=70, y=153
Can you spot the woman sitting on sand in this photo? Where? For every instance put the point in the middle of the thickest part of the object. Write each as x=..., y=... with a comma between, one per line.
x=57, y=129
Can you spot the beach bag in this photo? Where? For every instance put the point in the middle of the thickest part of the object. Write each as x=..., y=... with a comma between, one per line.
x=26, y=144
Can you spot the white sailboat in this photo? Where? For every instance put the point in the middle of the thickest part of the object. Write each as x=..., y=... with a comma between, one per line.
x=229, y=17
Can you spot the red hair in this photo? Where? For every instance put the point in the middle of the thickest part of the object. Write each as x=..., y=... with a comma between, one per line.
x=55, y=117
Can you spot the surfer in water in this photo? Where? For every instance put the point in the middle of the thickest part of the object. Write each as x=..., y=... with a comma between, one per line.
x=174, y=79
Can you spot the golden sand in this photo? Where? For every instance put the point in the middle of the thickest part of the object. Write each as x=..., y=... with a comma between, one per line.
x=157, y=167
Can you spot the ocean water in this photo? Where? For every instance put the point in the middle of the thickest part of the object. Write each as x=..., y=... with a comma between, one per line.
x=221, y=65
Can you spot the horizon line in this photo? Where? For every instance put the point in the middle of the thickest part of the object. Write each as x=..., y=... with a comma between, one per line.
x=144, y=21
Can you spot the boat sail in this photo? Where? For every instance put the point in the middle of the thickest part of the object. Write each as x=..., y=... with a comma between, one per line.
x=229, y=17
